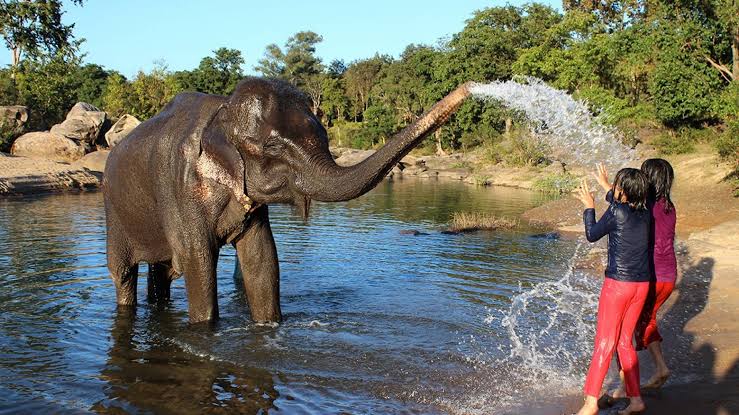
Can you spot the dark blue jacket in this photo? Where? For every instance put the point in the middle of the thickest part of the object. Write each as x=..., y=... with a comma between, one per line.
x=628, y=239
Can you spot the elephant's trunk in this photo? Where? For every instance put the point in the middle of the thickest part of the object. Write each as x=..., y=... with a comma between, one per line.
x=329, y=182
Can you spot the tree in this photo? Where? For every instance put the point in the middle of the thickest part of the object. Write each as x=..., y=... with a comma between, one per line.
x=48, y=85
x=359, y=78
x=215, y=75
x=150, y=92
x=91, y=79
x=34, y=26
x=117, y=95
x=298, y=65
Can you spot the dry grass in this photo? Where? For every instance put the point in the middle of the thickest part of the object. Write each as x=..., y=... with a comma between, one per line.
x=475, y=221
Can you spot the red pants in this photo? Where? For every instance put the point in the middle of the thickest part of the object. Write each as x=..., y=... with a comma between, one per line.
x=619, y=308
x=646, y=328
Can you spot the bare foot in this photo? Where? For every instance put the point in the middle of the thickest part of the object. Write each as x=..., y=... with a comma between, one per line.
x=657, y=380
x=590, y=407
x=636, y=406
x=618, y=393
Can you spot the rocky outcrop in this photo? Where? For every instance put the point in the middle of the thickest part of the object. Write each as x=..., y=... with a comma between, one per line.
x=121, y=129
x=46, y=145
x=83, y=124
x=13, y=117
x=94, y=161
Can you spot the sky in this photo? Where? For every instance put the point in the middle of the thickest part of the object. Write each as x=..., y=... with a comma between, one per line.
x=132, y=35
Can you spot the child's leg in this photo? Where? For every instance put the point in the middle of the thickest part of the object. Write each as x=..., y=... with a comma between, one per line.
x=626, y=353
x=611, y=307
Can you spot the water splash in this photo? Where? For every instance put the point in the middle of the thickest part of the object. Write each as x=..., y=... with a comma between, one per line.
x=573, y=133
x=550, y=330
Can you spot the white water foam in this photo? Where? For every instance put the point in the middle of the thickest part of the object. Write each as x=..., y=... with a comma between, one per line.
x=573, y=133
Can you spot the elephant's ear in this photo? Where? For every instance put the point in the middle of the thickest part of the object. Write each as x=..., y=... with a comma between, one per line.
x=220, y=160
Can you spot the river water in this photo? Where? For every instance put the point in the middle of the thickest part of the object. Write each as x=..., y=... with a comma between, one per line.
x=375, y=321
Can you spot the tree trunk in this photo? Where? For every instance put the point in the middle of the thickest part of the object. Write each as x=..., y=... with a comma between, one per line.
x=735, y=54
x=508, y=126
x=439, y=149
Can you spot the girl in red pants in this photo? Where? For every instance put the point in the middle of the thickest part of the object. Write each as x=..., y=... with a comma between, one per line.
x=663, y=265
x=626, y=222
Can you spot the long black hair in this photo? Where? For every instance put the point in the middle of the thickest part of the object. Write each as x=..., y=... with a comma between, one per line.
x=635, y=185
x=660, y=175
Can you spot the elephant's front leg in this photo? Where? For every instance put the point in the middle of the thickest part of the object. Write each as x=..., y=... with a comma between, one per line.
x=199, y=267
x=257, y=259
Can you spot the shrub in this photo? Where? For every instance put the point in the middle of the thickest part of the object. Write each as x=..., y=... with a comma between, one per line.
x=474, y=221
x=673, y=143
x=557, y=183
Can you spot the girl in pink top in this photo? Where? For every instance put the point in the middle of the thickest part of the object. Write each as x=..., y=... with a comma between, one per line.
x=663, y=265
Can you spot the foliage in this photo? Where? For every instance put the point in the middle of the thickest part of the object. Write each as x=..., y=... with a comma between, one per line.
x=667, y=66
x=475, y=221
x=215, y=75
x=673, y=143
x=557, y=183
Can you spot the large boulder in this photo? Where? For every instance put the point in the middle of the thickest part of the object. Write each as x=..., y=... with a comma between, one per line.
x=120, y=129
x=83, y=124
x=13, y=117
x=94, y=161
x=46, y=145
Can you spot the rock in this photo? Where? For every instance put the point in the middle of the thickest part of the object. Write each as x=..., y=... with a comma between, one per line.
x=412, y=232
x=94, y=161
x=46, y=145
x=83, y=124
x=13, y=117
x=456, y=174
x=121, y=129
x=351, y=157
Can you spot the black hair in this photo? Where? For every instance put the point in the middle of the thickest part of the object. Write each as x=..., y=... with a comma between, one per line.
x=635, y=186
x=660, y=175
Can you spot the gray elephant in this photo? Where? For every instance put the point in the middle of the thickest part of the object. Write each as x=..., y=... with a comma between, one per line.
x=201, y=173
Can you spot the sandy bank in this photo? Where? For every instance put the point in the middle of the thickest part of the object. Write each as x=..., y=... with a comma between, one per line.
x=21, y=175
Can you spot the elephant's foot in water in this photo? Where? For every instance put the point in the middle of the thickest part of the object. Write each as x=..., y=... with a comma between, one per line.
x=158, y=283
x=125, y=279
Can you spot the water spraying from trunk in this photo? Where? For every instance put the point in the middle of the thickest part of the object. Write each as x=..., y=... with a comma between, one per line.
x=567, y=125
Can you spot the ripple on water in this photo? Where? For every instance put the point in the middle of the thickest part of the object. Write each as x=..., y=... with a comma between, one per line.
x=375, y=321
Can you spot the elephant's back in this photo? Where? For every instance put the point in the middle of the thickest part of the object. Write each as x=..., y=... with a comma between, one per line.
x=161, y=139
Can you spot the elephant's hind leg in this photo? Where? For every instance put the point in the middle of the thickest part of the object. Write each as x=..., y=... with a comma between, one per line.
x=125, y=277
x=257, y=259
x=123, y=270
x=158, y=283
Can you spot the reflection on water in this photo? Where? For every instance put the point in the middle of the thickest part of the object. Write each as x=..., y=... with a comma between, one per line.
x=375, y=321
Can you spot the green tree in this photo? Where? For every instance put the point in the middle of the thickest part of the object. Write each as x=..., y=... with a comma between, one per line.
x=33, y=27
x=48, y=85
x=150, y=92
x=91, y=79
x=117, y=95
x=359, y=78
x=215, y=75
x=297, y=64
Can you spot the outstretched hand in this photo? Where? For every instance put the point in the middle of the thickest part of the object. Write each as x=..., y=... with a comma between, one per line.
x=602, y=177
x=585, y=195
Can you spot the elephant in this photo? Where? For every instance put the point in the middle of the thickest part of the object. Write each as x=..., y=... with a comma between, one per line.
x=201, y=174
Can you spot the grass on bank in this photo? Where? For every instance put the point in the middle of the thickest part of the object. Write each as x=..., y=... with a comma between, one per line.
x=476, y=221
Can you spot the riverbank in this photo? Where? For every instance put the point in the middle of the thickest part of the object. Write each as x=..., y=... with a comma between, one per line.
x=22, y=175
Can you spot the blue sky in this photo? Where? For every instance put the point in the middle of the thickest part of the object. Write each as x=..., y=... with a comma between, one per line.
x=133, y=34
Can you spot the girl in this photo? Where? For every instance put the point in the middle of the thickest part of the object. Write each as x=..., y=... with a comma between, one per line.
x=626, y=222
x=663, y=264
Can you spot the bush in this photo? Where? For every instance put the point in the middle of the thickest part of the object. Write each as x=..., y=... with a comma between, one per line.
x=673, y=143
x=557, y=183
x=475, y=221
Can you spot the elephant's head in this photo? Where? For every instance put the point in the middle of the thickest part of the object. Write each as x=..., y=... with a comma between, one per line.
x=285, y=148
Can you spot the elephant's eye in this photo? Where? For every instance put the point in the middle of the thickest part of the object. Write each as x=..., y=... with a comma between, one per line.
x=273, y=147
